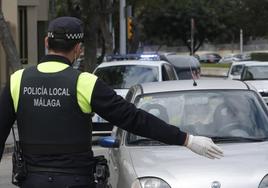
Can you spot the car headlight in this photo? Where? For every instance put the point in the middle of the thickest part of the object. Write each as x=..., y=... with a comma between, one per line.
x=149, y=182
x=264, y=182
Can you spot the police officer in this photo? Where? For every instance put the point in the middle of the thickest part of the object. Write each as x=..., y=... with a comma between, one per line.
x=52, y=103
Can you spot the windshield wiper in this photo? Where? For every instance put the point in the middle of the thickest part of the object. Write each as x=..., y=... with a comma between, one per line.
x=145, y=141
x=237, y=139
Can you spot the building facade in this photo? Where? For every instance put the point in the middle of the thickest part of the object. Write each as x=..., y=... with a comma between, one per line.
x=27, y=20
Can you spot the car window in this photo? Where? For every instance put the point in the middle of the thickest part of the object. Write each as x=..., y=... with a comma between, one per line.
x=214, y=113
x=165, y=75
x=125, y=76
x=237, y=69
x=170, y=72
x=256, y=73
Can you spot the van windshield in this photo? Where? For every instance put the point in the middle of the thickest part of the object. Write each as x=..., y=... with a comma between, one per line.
x=125, y=76
x=256, y=73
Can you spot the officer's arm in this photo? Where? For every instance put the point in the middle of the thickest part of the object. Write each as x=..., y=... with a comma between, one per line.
x=126, y=116
x=112, y=107
x=7, y=116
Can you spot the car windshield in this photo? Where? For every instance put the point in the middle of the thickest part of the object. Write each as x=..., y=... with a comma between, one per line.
x=220, y=114
x=237, y=70
x=125, y=76
x=256, y=73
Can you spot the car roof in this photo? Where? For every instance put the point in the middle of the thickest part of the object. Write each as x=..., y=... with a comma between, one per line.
x=187, y=85
x=243, y=62
x=257, y=63
x=132, y=62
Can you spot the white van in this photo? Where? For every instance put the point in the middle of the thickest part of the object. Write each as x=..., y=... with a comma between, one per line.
x=236, y=69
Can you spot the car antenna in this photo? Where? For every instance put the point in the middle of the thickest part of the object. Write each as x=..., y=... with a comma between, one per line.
x=194, y=82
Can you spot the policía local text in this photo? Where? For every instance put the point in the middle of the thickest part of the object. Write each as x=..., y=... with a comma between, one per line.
x=41, y=92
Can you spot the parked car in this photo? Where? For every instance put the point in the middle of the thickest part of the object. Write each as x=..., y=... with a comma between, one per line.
x=236, y=69
x=232, y=113
x=121, y=75
x=208, y=57
x=186, y=66
x=256, y=74
x=230, y=58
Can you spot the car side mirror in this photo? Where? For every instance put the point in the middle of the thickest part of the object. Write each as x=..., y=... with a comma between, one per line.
x=109, y=142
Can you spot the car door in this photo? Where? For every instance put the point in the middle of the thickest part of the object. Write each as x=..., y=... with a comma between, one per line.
x=114, y=158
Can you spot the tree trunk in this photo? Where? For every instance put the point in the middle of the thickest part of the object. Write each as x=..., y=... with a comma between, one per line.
x=90, y=19
x=106, y=10
x=107, y=35
x=8, y=44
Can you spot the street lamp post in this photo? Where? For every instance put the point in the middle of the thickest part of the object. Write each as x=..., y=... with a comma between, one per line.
x=241, y=41
x=122, y=27
x=192, y=36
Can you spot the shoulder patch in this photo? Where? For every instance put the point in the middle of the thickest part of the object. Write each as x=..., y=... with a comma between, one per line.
x=15, y=80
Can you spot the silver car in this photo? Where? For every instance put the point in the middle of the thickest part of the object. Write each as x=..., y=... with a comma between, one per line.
x=230, y=112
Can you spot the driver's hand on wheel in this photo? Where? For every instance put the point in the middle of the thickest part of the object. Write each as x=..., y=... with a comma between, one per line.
x=203, y=146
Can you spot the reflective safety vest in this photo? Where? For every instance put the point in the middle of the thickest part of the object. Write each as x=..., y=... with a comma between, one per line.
x=50, y=115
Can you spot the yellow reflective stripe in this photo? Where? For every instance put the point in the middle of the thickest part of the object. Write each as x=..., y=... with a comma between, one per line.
x=85, y=86
x=15, y=80
x=51, y=67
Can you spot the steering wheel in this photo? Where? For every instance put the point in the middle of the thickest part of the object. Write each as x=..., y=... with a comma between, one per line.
x=235, y=129
x=162, y=112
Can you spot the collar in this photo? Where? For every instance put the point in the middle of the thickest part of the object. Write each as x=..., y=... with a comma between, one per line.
x=58, y=58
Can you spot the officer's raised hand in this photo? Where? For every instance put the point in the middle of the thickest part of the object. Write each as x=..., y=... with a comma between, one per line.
x=203, y=146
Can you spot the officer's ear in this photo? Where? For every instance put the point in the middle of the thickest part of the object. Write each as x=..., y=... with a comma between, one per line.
x=78, y=48
x=46, y=42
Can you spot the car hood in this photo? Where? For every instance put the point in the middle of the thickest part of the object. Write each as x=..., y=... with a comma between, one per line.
x=259, y=84
x=121, y=92
x=243, y=165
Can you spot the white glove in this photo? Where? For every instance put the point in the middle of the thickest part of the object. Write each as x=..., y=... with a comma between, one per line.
x=204, y=146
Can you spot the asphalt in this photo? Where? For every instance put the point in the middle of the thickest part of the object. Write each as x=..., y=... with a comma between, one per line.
x=207, y=72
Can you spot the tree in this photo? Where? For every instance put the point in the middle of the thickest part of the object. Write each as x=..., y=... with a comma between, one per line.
x=106, y=10
x=169, y=22
x=95, y=15
x=216, y=21
x=13, y=60
x=253, y=18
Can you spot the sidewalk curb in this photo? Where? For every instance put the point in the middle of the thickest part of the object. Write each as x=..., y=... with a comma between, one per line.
x=214, y=75
x=214, y=72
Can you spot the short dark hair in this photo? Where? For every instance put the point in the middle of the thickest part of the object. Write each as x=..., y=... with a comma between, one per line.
x=61, y=45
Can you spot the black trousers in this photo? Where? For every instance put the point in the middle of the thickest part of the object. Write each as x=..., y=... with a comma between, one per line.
x=57, y=180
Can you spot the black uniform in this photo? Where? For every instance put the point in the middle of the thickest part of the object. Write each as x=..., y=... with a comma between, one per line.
x=108, y=105
x=67, y=150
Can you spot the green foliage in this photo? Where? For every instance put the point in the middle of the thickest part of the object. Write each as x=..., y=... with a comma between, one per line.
x=162, y=22
x=168, y=22
x=216, y=65
x=259, y=56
